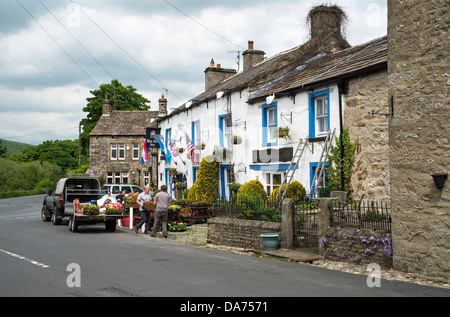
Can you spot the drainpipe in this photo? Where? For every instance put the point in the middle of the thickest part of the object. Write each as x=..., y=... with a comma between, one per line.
x=343, y=90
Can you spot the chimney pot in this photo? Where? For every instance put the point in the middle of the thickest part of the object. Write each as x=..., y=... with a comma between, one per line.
x=212, y=64
x=252, y=57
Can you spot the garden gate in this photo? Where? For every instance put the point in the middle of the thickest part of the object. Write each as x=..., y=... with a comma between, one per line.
x=306, y=227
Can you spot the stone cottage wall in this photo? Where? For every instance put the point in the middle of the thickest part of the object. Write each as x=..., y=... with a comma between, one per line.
x=419, y=82
x=101, y=163
x=366, y=116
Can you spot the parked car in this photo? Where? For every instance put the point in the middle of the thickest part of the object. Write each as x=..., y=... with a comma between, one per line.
x=115, y=189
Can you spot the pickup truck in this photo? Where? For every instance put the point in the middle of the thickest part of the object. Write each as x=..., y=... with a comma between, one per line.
x=69, y=197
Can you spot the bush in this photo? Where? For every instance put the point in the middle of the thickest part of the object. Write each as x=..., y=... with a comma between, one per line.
x=296, y=191
x=206, y=187
x=253, y=188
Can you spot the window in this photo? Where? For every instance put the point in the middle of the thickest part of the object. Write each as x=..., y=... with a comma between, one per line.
x=124, y=178
x=146, y=178
x=273, y=181
x=109, y=178
x=113, y=151
x=225, y=131
x=269, y=124
x=319, y=113
x=168, y=138
x=196, y=139
x=121, y=151
x=135, y=151
x=117, y=178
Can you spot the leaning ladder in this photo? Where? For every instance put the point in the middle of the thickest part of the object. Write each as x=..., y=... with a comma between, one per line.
x=290, y=172
x=322, y=162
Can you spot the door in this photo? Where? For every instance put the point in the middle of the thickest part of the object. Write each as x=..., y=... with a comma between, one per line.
x=226, y=180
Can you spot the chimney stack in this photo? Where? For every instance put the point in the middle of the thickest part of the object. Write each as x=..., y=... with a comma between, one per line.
x=215, y=75
x=252, y=57
x=162, y=105
x=326, y=23
x=106, y=105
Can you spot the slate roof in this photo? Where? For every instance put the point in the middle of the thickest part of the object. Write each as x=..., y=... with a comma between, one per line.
x=124, y=123
x=299, y=68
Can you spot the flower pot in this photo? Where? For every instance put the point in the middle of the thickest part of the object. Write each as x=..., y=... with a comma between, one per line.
x=270, y=241
x=126, y=222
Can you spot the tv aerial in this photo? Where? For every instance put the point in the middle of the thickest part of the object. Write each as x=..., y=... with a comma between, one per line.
x=238, y=62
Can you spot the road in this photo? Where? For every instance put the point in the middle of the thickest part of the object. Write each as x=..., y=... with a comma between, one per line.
x=41, y=259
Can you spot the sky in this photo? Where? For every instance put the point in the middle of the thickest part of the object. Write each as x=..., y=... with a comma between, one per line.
x=54, y=52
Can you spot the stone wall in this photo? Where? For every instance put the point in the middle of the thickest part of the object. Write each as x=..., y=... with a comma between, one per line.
x=360, y=246
x=239, y=233
x=367, y=117
x=418, y=76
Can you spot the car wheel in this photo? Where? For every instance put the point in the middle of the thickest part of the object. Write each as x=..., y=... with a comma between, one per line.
x=44, y=214
x=54, y=218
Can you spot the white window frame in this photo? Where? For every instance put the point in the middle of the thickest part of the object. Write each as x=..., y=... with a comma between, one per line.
x=135, y=151
x=268, y=179
x=121, y=151
x=321, y=105
x=113, y=151
x=271, y=124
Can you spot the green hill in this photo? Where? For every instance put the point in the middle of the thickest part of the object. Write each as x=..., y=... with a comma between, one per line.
x=12, y=147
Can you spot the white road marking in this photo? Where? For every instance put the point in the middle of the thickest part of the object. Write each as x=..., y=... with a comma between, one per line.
x=25, y=259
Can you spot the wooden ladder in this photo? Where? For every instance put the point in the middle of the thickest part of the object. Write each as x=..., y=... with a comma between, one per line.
x=290, y=172
x=320, y=170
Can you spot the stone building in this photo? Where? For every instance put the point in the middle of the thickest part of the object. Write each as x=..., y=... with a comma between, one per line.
x=419, y=81
x=116, y=145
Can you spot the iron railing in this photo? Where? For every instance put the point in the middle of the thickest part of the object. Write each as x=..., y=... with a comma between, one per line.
x=250, y=208
x=365, y=214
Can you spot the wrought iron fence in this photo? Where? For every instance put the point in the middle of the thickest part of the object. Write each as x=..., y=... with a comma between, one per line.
x=247, y=207
x=369, y=215
x=306, y=226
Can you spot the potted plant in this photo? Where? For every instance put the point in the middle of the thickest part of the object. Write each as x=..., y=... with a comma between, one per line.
x=185, y=213
x=154, y=153
x=173, y=171
x=283, y=132
x=90, y=210
x=236, y=139
x=180, y=185
x=180, y=150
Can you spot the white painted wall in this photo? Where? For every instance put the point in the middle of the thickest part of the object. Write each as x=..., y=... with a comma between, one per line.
x=247, y=122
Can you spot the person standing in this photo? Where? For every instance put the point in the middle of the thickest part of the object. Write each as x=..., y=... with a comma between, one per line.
x=142, y=199
x=161, y=200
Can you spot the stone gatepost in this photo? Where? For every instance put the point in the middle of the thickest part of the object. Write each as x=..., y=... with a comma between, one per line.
x=287, y=224
x=323, y=219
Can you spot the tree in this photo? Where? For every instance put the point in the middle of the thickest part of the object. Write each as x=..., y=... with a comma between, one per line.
x=123, y=98
x=3, y=150
x=61, y=153
x=341, y=165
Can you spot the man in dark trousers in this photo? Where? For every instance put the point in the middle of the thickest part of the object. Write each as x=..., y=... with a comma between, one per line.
x=142, y=199
x=161, y=200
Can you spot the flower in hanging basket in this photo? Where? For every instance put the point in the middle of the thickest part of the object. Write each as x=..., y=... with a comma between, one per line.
x=180, y=150
x=282, y=132
x=236, y=139
x=173, y=171
x=154, y=153
x=180, y=185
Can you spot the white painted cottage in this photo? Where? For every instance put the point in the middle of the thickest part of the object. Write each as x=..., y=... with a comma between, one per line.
x=304, y=89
